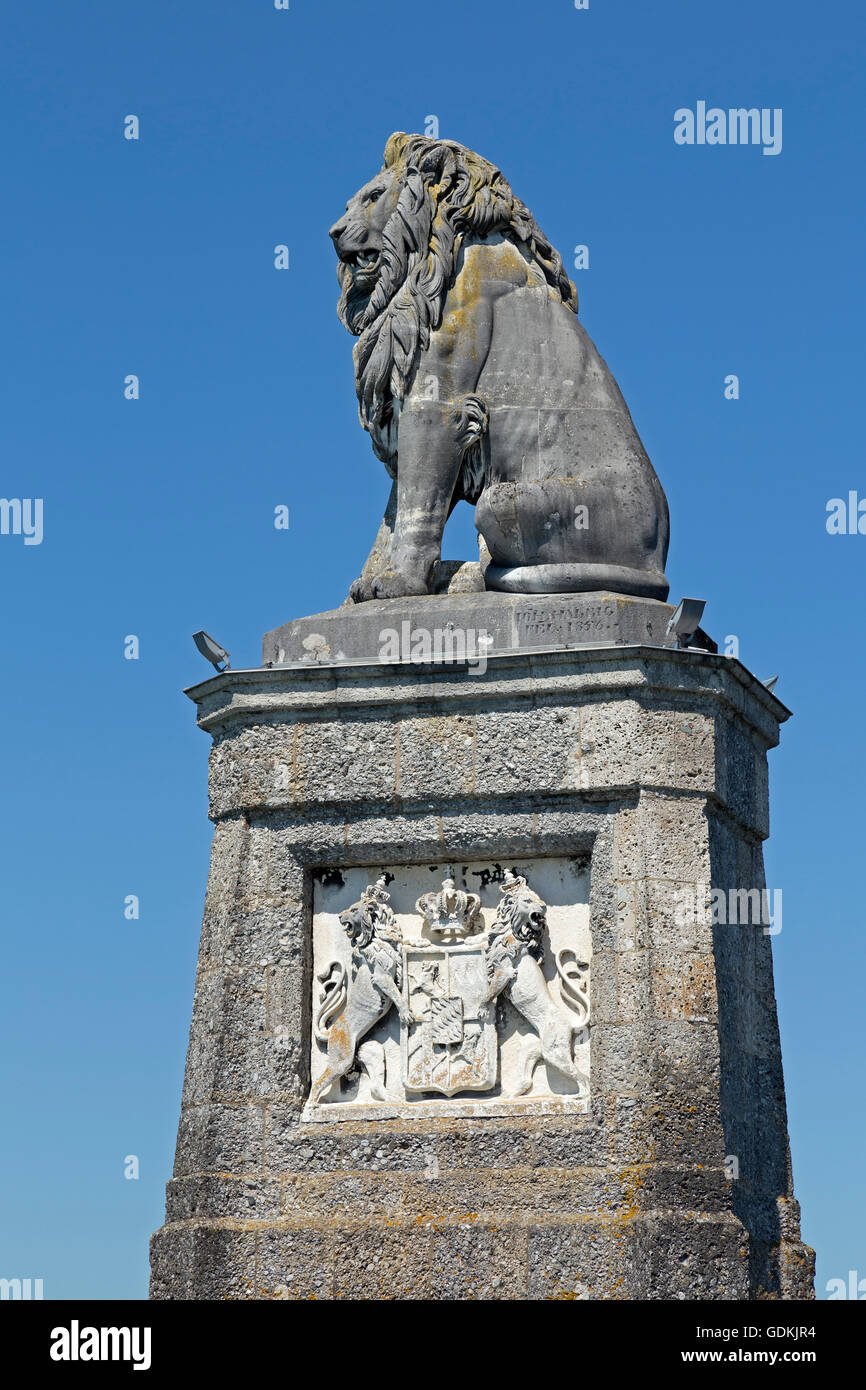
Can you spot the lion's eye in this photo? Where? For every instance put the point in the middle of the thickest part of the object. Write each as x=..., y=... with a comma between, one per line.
x=374, y=196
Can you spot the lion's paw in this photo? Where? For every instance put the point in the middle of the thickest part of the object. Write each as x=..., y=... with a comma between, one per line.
x=361, y=590
x=396, y=584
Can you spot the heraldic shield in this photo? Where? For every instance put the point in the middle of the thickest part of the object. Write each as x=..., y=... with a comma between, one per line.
x=450, y=1044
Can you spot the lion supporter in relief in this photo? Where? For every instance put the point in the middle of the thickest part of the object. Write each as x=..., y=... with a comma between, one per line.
x=353, y=1002
x=514, y=970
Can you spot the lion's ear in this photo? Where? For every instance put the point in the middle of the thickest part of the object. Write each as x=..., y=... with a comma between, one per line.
x=437, y=164
x=395, y=148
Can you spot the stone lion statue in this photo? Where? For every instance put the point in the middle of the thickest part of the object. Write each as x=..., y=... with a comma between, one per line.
x=476, y=381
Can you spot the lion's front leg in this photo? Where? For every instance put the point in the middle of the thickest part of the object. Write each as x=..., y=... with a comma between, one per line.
x=379, y=558
x=428, y=466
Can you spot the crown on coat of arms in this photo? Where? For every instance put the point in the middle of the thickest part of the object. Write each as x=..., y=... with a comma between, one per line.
x=452, y=913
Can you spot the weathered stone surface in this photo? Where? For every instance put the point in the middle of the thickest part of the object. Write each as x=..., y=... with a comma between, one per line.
x=476, y=380
x=643, y=763
x=466, y=626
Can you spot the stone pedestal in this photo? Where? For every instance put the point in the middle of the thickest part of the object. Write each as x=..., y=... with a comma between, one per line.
x=625, y=783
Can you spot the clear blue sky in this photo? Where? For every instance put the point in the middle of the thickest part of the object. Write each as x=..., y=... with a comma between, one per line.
x=156, y=258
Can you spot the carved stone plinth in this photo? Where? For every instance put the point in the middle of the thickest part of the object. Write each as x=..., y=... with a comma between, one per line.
x=468, y=624
x=462, y=1027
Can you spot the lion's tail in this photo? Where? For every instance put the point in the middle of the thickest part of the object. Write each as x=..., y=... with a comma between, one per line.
x=573, y=977
x=471, y=421
x=332, y=997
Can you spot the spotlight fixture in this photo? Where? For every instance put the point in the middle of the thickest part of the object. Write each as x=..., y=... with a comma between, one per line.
x=212, y=651
x=685, y=623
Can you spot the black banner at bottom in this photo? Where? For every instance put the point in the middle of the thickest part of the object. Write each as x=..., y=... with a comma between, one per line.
x=66, y=1338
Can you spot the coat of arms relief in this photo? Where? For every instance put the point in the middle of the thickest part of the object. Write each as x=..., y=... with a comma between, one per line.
x=451, y=1000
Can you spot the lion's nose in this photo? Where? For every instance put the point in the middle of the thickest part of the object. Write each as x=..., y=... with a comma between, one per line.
x=337, y=231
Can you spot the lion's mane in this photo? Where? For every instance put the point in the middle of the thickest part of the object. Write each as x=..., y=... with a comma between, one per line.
x=518, y=906
x=447, y=195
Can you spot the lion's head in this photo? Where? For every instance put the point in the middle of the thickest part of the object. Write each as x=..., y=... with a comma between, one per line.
x=522, y=913
x=398, y=247
x=358, y=924
x=370, y=916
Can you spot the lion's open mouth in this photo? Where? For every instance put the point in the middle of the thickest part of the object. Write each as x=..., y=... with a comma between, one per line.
x=362, y=262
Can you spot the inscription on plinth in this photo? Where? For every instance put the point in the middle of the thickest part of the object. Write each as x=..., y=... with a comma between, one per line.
x=535, y=623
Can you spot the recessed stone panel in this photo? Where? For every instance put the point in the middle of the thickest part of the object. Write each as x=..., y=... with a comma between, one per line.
x=451, y=989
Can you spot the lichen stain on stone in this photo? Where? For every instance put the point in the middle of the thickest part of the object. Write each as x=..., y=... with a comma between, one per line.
x=442, y=1218
x=632, y=1179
